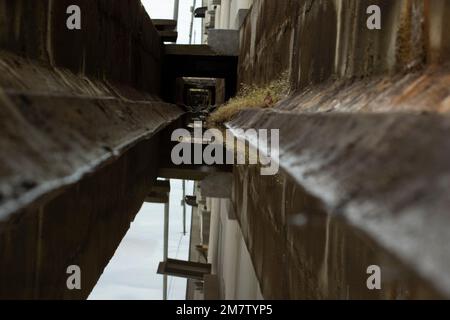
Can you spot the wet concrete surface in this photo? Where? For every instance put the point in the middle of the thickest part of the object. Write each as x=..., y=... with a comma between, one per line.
x=377, y=172
x=320, y=40
x=80, y=124
x=364, y=144
x=81, y=225
x=53, y=137
x=78, y=158
x=299, y=251
x=418, y=91
x=364, y=132
x=117, y=40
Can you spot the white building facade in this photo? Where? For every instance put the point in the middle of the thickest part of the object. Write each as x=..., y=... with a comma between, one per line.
x=224, y=15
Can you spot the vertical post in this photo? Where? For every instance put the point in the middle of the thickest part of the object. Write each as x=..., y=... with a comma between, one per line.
x=166, y=241
x=176, y=9
x=184, y=207
x=166, y=231
x=218, y=15
x=192, y=21
x=224, y=15
x=165, y=288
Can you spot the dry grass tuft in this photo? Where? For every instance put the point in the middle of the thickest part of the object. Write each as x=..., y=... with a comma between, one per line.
x=251, y=97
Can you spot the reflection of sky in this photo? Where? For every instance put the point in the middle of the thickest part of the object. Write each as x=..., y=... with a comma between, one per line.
x=131, y=274
x=163, y=9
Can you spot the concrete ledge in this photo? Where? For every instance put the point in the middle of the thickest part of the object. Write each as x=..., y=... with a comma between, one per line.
x=224, y=42
x=81, y=225
x=66, y=131
x=385, y=174
x=77, y=158
x=80, y=123
x=168, y=36
x=364, y=148
x=184, y=269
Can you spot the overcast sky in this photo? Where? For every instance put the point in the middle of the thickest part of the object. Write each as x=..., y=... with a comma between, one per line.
x=131, y=274
x=163, y=9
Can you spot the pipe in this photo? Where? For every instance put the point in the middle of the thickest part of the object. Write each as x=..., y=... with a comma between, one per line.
x=192, y=21
x=176, y=9
x=166, y=241
x=184, y=207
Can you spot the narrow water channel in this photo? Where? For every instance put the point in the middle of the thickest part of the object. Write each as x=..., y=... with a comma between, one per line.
x=132, y=272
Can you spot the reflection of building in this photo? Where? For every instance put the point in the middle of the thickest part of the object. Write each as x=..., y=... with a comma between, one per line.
x=217, y=239
x=223, y=15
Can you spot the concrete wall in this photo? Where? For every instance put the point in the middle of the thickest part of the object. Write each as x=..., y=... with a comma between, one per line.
x=301, y=252
x=82, y=226
x=224, y=42
x=117, y=40
x=320, y=40
x=381, y=98
x=80, y=122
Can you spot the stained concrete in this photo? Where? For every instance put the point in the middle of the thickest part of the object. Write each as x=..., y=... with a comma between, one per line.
x=82, y=224
x=363, y=136
x=418, y=91
x=54, y=137
x=81, y=122
x=300, y=252
x=377, y=173
x=224, y=42
x=322, y=40
x=217, y=185
x=117, y=40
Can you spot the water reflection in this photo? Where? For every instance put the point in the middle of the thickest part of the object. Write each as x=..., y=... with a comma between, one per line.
x=131, y=273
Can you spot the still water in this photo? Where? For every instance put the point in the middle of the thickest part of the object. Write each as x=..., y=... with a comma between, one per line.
x=131, y=273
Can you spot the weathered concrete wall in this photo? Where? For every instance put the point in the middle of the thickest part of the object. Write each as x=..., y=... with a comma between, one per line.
x=224, y=42
x=365, y=135
x=57, y=127
x=81, y=225
x=80, y=120
x=422, y=90
x=384, y=174
x=319, y=40
x=117, y=40
x=300, y=252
